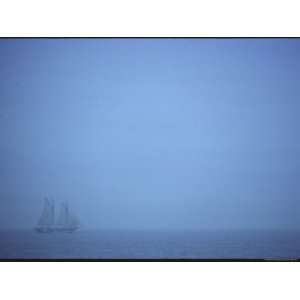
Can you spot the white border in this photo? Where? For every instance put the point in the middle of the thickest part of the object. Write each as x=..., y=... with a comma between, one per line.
x=149, y=18
x=149, y=281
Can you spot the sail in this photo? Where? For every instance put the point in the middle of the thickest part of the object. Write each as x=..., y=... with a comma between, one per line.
x=63, y=217
x=47, y=216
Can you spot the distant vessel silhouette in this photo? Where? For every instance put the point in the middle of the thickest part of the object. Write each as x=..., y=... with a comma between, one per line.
x=65, y=222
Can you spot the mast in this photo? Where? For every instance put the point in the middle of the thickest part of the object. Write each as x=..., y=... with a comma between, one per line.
x=52, y=213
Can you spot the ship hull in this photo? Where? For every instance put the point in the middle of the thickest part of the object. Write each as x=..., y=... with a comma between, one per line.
x=51, y=230
x=44, y=230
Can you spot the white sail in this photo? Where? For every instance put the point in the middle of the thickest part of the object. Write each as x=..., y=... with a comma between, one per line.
x=47, y=216
x=65, y=219
x=63, y=216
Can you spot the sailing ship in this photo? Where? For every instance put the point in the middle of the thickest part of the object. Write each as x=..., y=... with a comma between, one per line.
x=66, y=222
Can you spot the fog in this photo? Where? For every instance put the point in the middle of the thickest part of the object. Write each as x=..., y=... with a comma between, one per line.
x=181, y=134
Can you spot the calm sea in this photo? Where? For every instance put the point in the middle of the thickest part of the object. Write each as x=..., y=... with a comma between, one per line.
x=145, y=244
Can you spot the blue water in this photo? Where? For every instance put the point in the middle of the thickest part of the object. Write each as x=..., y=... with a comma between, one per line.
x=147, y=245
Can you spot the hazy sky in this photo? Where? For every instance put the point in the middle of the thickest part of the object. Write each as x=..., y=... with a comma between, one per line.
x=151, y=133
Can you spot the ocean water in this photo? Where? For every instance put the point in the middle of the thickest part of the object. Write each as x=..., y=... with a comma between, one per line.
x=150, y=245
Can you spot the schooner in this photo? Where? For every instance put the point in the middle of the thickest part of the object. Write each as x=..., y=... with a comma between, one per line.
x=66, y=222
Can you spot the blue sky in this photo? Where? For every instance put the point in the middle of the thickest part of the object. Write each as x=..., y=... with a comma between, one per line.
x=151, y=133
